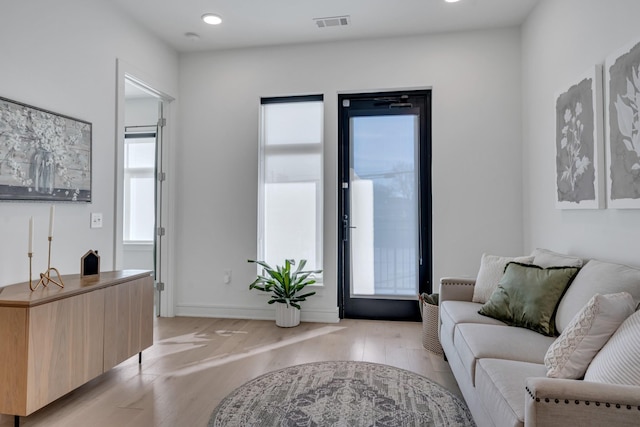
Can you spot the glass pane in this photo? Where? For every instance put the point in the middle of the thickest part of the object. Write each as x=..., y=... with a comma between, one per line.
x=293, y=123
x=290, y=223
x=141, y=208
x=140, y=153
x=384, y=205
x=292, y=167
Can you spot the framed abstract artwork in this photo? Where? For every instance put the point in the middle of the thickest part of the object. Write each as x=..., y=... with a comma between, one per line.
x=622, y=71
x=579, y=143
x=44, y=156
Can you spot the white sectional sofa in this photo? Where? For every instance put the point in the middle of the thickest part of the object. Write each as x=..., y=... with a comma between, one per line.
x=501, y=369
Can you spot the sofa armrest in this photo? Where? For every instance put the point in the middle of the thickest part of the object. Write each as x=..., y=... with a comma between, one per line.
x=551, y=401
x=456, y=289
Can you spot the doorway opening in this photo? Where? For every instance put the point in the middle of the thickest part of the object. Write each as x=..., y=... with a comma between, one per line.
x=385, y=204
x=140, y=229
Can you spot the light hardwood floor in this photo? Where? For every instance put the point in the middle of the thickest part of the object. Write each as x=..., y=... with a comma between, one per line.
x=195, y=362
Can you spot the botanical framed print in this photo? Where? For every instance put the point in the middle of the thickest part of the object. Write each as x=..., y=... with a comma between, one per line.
x=579, y=143
x=622, y=70
x=43, y=155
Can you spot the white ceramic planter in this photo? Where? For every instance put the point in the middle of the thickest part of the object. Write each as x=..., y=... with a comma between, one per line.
x=287, y=316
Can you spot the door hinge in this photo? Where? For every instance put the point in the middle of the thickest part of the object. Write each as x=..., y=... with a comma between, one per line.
x=160, y=286
x=161, y=231
x=162, y=122
x=162, y=176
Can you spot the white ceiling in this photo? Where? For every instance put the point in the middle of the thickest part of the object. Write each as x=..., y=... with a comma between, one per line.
x=248, y=23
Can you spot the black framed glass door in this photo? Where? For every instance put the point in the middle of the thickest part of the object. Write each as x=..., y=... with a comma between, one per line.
x=385, y=204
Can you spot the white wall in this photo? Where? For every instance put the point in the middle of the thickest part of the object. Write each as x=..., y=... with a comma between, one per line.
x=477, y=178
x=561, y=40
x=61, y=56
x=57, y=57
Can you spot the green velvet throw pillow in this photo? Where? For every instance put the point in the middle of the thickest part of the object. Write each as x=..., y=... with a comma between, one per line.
x=528, y=295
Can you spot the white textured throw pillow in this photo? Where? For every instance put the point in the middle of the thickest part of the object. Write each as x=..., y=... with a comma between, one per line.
x=570, y=354
x=619, y=360
x=491, y=271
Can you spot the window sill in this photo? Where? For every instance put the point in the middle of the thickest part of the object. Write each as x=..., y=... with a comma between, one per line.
x=138, y=246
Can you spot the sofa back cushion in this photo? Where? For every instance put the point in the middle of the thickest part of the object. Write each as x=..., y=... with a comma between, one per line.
x=546, y=258
x=619, y=360
x=596, y=277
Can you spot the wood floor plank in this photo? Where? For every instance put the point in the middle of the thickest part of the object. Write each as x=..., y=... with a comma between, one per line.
x=196, y=362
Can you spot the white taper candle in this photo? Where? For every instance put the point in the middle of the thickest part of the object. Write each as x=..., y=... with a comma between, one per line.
x=30, y=235
x=51, y=214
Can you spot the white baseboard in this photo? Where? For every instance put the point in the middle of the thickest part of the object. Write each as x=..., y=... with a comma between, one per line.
x=268, y=313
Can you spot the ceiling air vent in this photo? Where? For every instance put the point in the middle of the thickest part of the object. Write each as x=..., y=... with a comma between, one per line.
x=332, y=21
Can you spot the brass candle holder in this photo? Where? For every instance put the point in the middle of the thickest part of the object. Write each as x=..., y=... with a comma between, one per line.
x=45, y=278
x=30, y=254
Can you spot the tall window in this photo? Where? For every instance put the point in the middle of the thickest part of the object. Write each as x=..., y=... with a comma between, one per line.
x=139, y=186
x=290, y=187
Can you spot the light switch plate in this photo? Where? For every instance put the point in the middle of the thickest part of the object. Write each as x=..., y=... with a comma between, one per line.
x=96, y=220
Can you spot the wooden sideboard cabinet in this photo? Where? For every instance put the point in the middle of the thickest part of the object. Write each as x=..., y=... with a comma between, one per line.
x=53, y=340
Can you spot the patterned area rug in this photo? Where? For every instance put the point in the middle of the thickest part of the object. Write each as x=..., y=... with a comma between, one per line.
x=353, y=394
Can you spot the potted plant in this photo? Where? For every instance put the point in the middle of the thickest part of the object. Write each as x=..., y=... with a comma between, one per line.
x=285, y=285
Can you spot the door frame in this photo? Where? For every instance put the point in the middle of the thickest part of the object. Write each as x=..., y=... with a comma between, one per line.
x=124, y=72
x=426, y=268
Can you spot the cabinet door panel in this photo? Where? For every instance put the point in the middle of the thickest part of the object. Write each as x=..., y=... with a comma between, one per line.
x=128, y=320
x=66, y=346
x=13, y=360
x=147, y=313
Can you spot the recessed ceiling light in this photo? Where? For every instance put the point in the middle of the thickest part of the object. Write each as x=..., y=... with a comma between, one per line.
x=452, y=1
x=211, y=19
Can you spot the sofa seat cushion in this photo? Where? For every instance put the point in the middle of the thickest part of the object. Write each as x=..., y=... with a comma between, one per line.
x=454, y=312
x=501, y=387
x=596, y=277
x=476, y=341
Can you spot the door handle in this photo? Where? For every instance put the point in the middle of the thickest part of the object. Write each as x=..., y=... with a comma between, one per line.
x=345, y=228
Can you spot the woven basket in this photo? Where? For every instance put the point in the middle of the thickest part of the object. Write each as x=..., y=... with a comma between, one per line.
x=430, y=326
